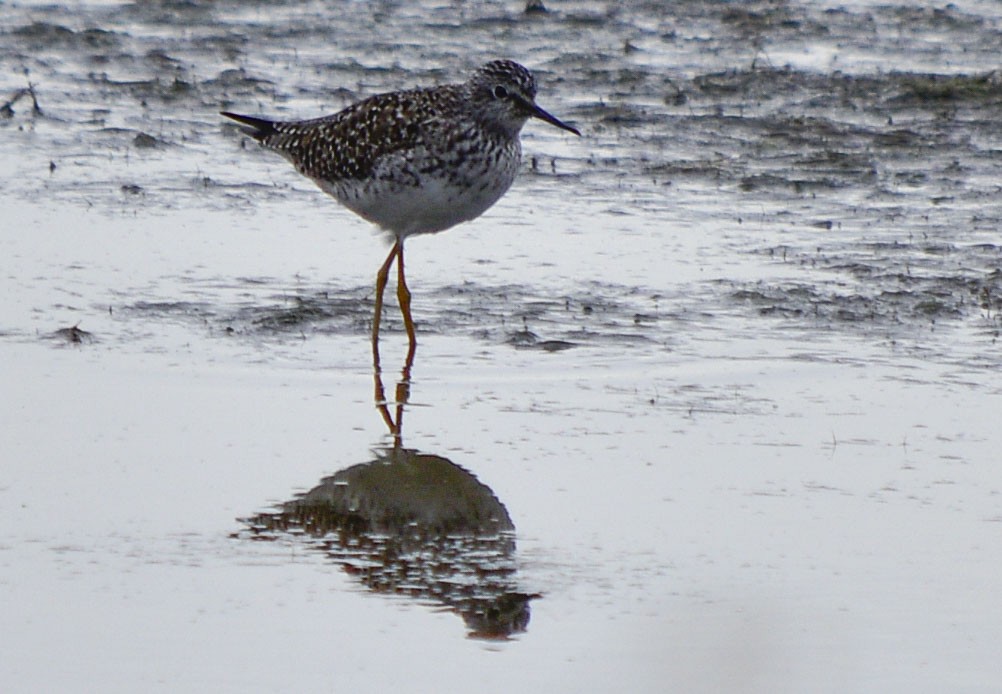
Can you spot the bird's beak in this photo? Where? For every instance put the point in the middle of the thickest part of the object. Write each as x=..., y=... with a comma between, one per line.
x=539, y=113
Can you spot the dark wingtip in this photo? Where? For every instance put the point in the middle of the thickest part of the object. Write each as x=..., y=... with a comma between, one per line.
x=258, y=128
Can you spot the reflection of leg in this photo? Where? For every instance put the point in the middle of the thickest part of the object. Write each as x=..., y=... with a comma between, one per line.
x=381, y=278
x=394, y=421
x=403, y=391
x=382, y=406
x=404, y=297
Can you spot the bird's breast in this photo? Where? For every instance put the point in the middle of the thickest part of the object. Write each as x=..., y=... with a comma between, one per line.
x=425, y=190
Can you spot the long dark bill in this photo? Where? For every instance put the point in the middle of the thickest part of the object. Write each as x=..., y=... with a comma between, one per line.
x=539, y=113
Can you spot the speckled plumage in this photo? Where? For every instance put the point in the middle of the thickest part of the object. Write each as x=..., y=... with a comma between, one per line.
x=416, y=161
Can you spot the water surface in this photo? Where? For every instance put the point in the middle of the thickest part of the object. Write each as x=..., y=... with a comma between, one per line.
x=716, y=383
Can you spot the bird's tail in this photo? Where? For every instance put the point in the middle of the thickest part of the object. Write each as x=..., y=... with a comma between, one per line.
x=258, y=128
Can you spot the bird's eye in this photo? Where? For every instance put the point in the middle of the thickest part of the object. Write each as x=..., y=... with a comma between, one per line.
x=500, y=92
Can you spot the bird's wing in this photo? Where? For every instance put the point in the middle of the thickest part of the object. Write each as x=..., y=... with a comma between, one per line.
x=350, y=144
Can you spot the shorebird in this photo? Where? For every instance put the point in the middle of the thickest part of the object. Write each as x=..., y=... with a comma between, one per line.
x=417, y=161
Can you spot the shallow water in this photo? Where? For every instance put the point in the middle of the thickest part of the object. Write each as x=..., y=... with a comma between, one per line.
x=721, y=374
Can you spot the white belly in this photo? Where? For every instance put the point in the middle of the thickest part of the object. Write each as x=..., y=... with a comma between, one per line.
x=405, y=202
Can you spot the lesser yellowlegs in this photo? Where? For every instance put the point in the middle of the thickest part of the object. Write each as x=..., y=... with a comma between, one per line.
x=416, y=161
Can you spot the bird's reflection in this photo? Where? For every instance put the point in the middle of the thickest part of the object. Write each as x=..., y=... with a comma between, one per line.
x=415, y=524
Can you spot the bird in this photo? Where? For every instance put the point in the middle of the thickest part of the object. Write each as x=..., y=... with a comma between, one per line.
x=416, y=161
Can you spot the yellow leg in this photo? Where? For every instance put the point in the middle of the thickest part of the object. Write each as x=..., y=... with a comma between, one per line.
x=381, y=278
x=404, y=298
x=402, y=394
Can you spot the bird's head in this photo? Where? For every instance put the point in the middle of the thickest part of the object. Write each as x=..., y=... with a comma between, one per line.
x=504, y=93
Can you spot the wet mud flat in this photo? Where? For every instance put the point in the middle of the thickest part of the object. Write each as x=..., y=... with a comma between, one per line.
x=717, y=380
x=865, y=137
